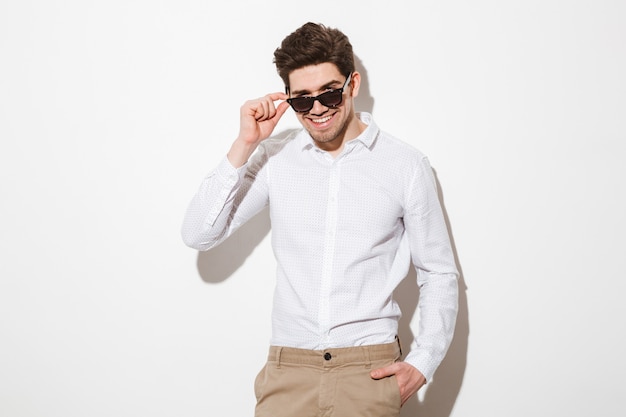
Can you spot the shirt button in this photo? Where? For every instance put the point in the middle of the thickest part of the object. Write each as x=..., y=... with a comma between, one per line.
x=328, y=356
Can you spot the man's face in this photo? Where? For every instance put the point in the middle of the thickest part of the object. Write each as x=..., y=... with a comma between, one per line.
x=329, y=127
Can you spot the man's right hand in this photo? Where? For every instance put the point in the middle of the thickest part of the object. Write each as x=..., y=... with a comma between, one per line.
x=258, y=118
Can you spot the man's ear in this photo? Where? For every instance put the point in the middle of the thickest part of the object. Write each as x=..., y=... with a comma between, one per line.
x=356, y=84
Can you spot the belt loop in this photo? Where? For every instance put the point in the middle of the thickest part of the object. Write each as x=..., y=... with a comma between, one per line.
x=367, y=357
x=279, y=351
x=399, y=344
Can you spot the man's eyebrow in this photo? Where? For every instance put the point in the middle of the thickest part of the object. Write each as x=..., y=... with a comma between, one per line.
x=328, y=85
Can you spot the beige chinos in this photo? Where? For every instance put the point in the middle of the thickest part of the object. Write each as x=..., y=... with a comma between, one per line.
x=328, y=383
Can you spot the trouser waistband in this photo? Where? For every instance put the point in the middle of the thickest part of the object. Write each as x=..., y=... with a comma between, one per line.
x=335, y=356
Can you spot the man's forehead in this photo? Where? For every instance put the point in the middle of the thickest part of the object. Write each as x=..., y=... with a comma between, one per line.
x=314, y=77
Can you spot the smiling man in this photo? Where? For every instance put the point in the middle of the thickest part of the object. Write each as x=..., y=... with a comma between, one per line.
x=351, y=208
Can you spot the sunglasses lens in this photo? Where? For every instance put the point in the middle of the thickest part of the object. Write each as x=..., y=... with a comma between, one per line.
x=302, y=104
x=331, y=98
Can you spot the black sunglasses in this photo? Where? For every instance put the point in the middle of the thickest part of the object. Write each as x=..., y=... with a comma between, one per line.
x=330, y=98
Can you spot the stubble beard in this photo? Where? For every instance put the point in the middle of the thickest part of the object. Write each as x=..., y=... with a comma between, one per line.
x=336, y=134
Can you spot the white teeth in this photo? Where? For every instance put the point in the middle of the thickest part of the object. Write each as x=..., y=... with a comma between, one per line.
x=322, y=120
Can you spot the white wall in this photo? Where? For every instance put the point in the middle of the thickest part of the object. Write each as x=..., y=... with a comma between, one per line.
x=112, y=111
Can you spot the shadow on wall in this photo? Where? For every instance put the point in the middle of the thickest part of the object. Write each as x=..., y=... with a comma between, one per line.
x=364, y=101
x=438, y=400
x=222, y=261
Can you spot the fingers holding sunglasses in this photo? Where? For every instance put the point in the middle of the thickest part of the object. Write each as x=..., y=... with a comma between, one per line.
x=263, y=108
x=260, y=116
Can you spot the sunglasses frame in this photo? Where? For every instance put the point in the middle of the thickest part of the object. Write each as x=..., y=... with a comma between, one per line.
x=320, y=97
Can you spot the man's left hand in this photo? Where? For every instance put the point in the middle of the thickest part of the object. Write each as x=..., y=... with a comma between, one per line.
x=409, y=378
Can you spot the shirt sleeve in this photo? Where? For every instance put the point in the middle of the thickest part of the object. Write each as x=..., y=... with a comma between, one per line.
x=437, y=276
x=225, y=200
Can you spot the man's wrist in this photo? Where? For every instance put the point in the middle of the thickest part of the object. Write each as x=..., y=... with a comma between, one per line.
x=240, y=152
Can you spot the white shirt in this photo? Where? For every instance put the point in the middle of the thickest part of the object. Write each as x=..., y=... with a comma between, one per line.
x=344, y=231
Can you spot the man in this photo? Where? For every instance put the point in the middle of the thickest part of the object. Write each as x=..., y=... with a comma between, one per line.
x=350, y=207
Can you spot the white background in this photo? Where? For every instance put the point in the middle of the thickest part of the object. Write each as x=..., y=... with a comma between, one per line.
x=111, y=112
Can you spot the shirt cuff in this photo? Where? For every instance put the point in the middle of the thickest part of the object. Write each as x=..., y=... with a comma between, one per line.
x=423, y=363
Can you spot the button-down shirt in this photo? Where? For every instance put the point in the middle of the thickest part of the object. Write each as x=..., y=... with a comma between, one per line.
x=344, y=232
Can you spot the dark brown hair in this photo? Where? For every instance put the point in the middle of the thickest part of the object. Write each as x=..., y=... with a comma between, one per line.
x=313, y=44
